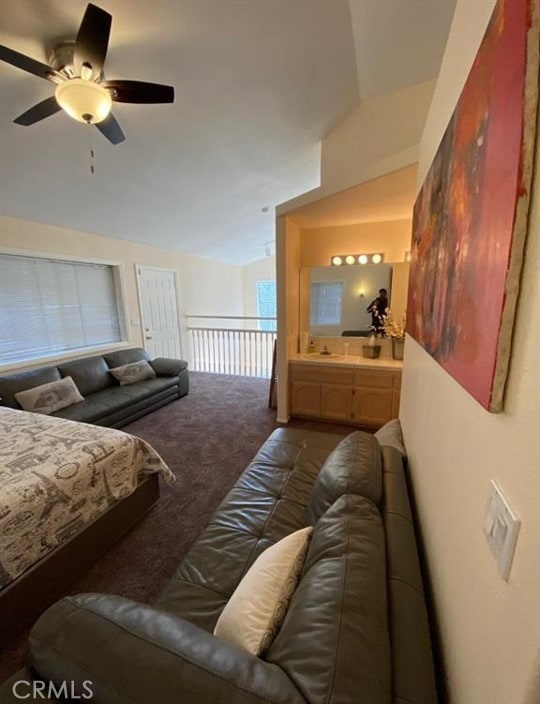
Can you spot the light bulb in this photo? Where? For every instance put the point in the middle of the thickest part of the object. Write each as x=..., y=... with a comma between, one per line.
x=85, y=101
x=350, y=259
x=362, y=259
x=376, y=258
x=337, y=261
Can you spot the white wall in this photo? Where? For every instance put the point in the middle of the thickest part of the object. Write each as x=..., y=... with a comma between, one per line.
x=382, y=135
x=490, y=629
x=205, y=286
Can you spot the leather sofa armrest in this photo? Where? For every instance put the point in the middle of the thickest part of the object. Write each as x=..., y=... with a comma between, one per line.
x=136, y=653
x=168, y=367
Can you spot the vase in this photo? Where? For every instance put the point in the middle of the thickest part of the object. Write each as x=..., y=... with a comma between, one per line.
x=397, y=348
x=371, y=351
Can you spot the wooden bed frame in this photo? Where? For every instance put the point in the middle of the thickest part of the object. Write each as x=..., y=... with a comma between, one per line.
x=24, y=599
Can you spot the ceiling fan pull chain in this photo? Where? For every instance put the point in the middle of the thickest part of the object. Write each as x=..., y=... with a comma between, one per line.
x=91, y=148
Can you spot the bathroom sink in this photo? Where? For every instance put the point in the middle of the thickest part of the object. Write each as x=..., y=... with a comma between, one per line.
x=318, y=357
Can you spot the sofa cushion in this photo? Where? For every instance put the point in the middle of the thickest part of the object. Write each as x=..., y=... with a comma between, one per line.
x=334, y=642
x=50, y=397
x=13, y=383
x=133, y=372
x=115, y=398
x=257, y=607
x=267, y=503
x=90, y=374
x=168, y=367
x=354, y=467
x=117, y=359
x=390, y=434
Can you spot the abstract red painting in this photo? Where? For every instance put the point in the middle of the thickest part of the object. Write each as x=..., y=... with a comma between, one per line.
x=470, y=218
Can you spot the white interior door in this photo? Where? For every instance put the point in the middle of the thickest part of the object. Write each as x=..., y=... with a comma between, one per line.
x=159, y=311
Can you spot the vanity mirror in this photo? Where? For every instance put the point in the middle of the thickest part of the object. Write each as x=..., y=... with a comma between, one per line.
x=334, y=298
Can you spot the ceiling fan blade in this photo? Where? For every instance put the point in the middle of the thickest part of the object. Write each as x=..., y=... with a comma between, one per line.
x=28, y=64
x=38, y=112
x=139, y=92
x=110, y=128
x=93, y=39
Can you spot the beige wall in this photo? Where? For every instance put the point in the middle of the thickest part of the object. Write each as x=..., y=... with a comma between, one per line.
x=490, y=629
x=288, y=292
x=201, y=282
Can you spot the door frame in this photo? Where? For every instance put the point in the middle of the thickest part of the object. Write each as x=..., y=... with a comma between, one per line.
x=148, y=267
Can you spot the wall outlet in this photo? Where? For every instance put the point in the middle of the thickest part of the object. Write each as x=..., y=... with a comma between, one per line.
x=501, y=528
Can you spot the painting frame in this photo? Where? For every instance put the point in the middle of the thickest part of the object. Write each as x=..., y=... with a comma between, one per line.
x=471, y=216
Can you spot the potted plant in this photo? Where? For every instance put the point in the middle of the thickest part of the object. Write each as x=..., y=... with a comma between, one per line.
x=373, y=348
x=394, y=328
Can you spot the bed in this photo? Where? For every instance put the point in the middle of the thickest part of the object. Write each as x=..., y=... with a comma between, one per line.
x=67, y=491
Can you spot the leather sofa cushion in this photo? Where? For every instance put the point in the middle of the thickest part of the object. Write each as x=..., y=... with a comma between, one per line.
x=168, y=367
x=334, y=642
x=11, y=384
x=354, y=467
x=413, y=675
x=108, y=401
x=117, y=359
x=267, y=503
x=90, y=374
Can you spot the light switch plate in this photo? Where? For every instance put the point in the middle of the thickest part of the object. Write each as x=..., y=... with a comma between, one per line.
x=501, y=528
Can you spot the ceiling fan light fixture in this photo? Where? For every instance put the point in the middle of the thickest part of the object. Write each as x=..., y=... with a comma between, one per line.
x=85, y=101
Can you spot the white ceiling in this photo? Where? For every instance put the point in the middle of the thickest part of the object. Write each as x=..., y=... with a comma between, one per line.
x=258, y=83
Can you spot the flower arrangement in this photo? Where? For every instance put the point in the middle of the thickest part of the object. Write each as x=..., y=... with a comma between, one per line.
x=394, y=327
x=378, y=327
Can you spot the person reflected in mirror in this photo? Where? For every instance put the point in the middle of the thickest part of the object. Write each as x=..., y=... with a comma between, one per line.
x=378, y=308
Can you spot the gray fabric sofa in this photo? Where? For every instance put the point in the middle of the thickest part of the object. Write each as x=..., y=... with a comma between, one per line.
x=105, y=401
x=356, y=630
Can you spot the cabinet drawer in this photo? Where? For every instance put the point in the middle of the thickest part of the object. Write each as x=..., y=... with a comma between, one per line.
x=320, y=374
x=372, y=378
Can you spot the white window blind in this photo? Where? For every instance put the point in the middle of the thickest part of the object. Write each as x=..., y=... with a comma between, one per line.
x=49, y=306
x=326, y=302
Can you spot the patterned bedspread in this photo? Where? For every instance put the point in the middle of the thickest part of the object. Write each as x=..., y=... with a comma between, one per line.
x=57, y=476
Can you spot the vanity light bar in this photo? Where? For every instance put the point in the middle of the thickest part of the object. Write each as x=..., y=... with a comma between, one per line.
x=350, y=259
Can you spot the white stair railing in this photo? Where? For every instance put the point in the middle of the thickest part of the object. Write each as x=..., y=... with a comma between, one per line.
x=232, y=350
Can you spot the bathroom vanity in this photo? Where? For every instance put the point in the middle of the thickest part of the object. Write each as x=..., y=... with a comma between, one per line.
x=345, y=388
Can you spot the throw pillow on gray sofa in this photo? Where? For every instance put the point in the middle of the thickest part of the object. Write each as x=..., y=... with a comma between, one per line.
x=132, y=373
x=51, y=397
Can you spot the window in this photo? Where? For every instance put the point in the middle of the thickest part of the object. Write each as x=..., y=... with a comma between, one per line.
x=326, y=303
x=266, y=304
x=49, y=306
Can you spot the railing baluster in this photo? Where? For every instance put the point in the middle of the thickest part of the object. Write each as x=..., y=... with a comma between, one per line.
x=235, y=351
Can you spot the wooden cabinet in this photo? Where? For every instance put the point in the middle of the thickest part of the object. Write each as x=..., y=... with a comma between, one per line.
x=305, y=398
x=336, y=402
x=367, y=397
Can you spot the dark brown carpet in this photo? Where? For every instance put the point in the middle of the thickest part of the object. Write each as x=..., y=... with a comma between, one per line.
x=207, y=438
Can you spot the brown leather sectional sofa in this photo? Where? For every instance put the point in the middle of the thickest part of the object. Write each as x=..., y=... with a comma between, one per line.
x=356, y=630
x=105, y=402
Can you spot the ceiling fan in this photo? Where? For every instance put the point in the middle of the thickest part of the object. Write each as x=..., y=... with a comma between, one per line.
x=81, y=89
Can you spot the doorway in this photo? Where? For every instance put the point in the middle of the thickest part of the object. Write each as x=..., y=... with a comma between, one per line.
x=158, y=301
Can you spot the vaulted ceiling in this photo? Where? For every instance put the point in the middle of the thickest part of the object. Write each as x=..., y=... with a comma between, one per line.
x=258, y=84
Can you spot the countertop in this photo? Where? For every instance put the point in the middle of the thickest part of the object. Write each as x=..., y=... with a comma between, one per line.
x=352, y=360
